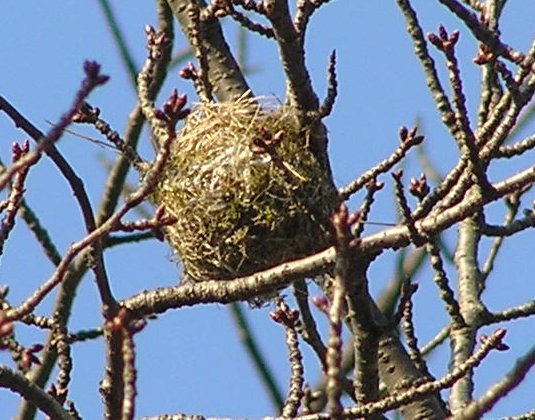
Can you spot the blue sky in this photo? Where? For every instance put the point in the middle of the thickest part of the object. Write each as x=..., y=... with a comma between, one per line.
x=194, y=353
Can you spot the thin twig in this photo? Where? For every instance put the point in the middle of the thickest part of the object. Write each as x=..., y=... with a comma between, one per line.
x=31, y=392
x=326, y=107
x=513, y=205
x=247, y=337
x=15, y=197
x=129, y=374
x=441, y=279
x=408, y=138
x=120, y=41
x=289, y=319
x=203, y=85
x=499, y=390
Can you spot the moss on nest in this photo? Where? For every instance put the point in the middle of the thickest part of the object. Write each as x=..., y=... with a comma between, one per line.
x=241, y=209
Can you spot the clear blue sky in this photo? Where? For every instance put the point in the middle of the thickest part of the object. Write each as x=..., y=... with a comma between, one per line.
x=191, y=360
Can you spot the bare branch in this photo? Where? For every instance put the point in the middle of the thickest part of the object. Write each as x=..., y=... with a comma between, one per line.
x=408, y=138
x=29, y=391
x=499, y=390
x=223, y=71
x=289, y=319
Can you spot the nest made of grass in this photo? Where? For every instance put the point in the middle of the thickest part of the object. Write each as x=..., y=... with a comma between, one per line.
x=239, y=212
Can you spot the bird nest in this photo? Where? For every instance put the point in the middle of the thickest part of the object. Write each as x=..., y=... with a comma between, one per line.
x=246, y=191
